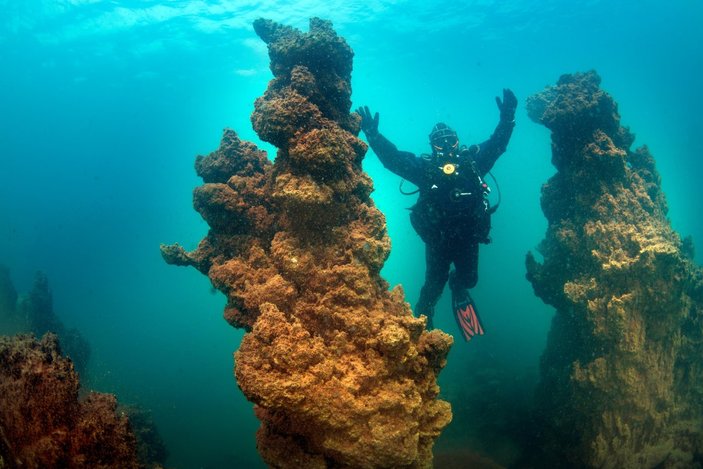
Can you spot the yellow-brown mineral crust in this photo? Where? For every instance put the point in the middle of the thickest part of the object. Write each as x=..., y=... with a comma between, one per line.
x=340, y=372
x=621, y=376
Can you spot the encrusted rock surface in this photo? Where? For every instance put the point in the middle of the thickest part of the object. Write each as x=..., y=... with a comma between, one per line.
x=341, y=373
x=622, y=377
x=43, y=423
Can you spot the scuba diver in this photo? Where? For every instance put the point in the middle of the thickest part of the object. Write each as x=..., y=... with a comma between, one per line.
x=452, y=214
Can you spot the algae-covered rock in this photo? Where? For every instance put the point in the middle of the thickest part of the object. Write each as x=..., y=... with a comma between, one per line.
x=622, y=375
x=340, y=372
x=44, y=423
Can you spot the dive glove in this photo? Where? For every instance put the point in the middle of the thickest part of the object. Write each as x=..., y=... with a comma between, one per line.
x=368, y=124
x=507, y=106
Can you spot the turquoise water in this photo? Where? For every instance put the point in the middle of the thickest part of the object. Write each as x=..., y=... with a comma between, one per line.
x=106, y=103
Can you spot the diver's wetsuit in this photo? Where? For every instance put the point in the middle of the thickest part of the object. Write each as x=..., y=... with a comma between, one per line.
x=451, y=213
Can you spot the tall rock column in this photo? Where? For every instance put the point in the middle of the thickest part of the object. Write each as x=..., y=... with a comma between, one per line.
x=622, y=376
x=340, y=372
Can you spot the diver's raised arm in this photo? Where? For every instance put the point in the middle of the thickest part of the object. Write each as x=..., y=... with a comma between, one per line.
x=495, y=146
x=507, y=106
x=368, y=124
x=402, y=163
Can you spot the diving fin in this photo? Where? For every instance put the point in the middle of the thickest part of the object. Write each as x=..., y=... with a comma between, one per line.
x=466, y=315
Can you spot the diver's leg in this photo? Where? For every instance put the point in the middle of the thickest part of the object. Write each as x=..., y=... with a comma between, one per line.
x=462, y=279
x=465, y=275
x=437, y=263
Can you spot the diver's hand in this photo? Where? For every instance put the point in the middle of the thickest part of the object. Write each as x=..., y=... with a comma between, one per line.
x=507, y=106
x=368, y=124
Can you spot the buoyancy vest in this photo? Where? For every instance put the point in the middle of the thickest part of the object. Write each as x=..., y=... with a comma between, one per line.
x=453, y=199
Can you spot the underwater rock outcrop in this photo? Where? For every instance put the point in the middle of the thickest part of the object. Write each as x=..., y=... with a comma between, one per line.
x=34, y=312
x=151, y=449
x=37, y=308
x=43, y=423
x=622, y=375
x=341, y=373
